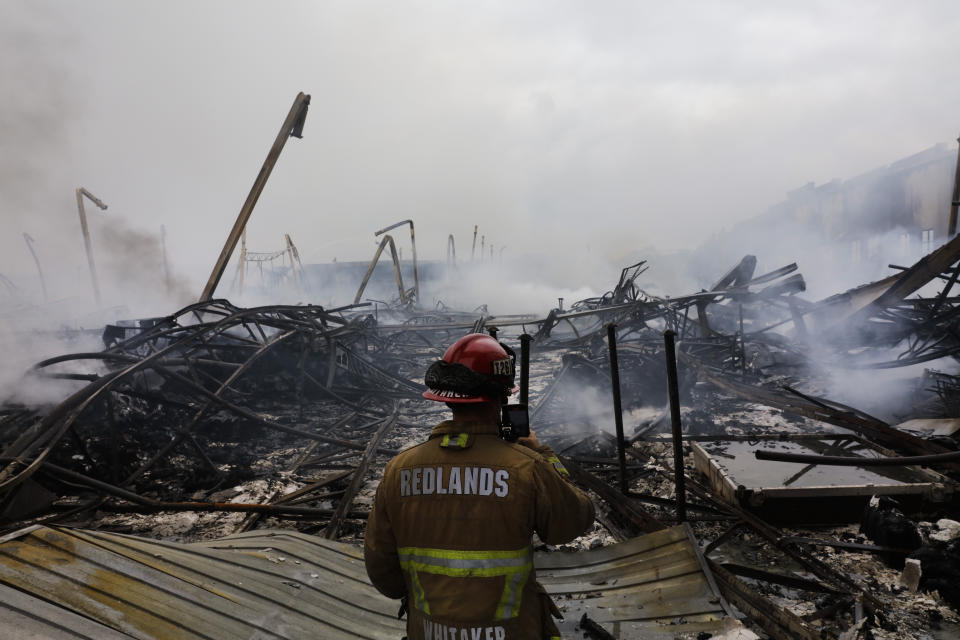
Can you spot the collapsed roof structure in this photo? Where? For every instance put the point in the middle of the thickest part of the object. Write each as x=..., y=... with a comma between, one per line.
x=286, y=414
x=249, y=440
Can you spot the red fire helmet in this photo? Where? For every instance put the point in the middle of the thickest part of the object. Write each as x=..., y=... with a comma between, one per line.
x=476, y=368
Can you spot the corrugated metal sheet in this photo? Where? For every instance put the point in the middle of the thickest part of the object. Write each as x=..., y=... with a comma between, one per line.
x=652, y=586
x=70, y=583
x=259, y=585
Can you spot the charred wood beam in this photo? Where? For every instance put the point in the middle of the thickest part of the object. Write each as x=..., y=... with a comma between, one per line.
x=793, y=582
x=251, y=415
x=279, y=511
x=303, y=491
x=779, y=623
x=946, y=292
x=616, y=500
x=188, y=429
x=826, y=612
x=840, y=544
x=251, y=520
x=333, y=528
x=723, y=537
x=143, y=502
x=329, y=495
x=667, y=502
x=38, y=441
x=919, y=274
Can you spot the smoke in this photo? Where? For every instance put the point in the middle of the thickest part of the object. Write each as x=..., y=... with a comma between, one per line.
x=138, y=275
x=580, y=141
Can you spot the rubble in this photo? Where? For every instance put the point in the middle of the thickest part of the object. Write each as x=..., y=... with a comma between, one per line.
x=216, y=420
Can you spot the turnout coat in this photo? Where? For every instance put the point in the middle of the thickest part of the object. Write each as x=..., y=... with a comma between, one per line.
x=451, y=530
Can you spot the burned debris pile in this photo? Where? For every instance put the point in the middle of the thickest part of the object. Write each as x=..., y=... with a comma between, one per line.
x=286, y=414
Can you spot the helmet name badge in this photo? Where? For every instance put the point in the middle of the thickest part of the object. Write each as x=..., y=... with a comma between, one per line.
x=502, y=367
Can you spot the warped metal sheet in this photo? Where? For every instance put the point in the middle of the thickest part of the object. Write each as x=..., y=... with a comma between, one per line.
x=653, y=586
x=288, y=585
x=72, y=583
x=24, y=617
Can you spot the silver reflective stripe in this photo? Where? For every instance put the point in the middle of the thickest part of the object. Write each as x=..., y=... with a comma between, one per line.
x=514, y=566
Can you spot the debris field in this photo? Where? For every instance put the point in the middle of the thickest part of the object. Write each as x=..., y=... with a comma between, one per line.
x=816, y=519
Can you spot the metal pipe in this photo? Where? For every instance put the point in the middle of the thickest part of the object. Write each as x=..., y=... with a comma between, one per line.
x=43, y=283
x=473, y=249
x=674, y=388
x=525, y=340
x=845, y=461
x=955, y=203
x=413, y=244
x=617, y=409
x=292, y=126
x=81, y=193
x=451, y=251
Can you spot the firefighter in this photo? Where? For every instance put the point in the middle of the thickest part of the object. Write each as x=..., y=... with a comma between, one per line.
x=452, y=522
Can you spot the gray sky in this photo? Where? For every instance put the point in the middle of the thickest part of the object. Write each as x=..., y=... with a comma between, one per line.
x=557, y=126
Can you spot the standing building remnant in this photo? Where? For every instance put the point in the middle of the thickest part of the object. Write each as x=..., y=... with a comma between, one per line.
x=81, y=194
x=292, y=126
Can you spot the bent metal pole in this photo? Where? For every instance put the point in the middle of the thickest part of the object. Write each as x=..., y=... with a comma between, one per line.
x=413, y=244
x=292, y=126
x=81, y=194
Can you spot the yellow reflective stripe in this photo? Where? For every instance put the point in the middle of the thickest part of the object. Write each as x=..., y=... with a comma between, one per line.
x=459, y=443
x=458, y=554
x=562, y=470
x=515, y=566
x=509, y=605
x=419, y=595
